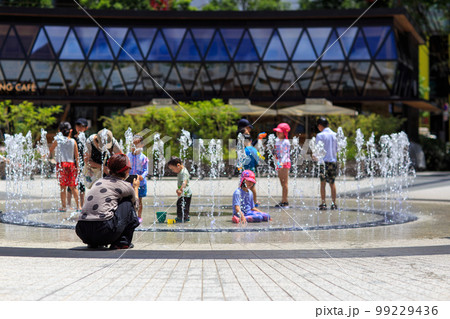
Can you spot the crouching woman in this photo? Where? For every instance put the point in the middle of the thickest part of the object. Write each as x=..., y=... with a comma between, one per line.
x=108, y=216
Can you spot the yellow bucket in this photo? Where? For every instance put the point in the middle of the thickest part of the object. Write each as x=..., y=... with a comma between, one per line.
x=171, y=221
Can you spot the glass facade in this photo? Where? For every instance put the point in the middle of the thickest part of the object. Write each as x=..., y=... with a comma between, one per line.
x=206, y=62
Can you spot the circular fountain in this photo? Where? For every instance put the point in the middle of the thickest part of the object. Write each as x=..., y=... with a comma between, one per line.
x=373, y=196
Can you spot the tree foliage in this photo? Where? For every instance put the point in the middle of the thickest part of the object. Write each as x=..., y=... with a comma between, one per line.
x=24, y=117
x=375, y=123
x=216, y=120
x=182, y=5
x=437, y=154
x=430, y=15
x=27, y=3
x=246, y=5
x=221, y=5
x=116, y=4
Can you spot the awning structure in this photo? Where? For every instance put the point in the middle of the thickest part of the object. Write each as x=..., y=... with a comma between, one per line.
x=155, y=103
x=245, y=107
x=423, y=105
x=316, y=107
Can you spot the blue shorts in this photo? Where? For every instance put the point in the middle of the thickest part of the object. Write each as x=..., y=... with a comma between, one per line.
x=142, y=191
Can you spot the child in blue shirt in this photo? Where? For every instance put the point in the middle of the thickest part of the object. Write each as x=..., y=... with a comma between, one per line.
x=251, y=161
x=244, y=209
x=139, y=167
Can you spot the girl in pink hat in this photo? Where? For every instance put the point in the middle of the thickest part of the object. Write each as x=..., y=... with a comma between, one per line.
x=283, y=160
x=244, y=209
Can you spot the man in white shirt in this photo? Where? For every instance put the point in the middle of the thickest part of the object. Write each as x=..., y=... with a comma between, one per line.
x=328, y=168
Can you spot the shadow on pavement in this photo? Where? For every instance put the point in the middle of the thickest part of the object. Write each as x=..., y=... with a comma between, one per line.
x=84, y=252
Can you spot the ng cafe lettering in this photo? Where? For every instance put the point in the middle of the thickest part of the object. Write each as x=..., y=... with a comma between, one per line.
x=17, y=87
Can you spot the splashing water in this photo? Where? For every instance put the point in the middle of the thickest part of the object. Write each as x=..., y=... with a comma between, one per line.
x=240, y=153
x=128, y=139
x=103, y=135
x=215, y=157
x=318, y=152
x=159, y=162
x=199, y=159
x=271, y=167
x=371, y=166
x=342, y=158
x=386, y=164
x=185, y=142
x=296, y=161
x=359, y=141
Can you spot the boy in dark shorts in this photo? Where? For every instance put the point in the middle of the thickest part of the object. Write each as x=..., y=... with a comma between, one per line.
x=328, y=168
x=183, y=191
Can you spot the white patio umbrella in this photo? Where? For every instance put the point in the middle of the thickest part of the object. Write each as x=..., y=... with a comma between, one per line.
x=245, y=107
x=316, y=107
x=155, y=103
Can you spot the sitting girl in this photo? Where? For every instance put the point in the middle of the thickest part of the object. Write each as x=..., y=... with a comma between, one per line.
x=244, y=209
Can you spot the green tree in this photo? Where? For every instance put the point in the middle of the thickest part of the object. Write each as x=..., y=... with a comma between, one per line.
x=116, y=4
x=27, y=3
x=246, y=5
x=268, y=5
x=183, y=5
x=378, y=124
x=430, y=15
x=24, y=117
x=217, y=120
x=437, y=154
x=221, y=5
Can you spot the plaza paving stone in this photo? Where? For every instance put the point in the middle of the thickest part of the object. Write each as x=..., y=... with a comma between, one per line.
x=397, y=262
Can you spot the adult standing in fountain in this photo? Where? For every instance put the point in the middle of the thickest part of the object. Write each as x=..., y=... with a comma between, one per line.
x=328, y=168
x=245, y=128
x=108, y=216
x=99, y=147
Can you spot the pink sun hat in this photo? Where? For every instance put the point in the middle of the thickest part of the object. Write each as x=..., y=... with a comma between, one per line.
x=283, y=128
x=248, y=175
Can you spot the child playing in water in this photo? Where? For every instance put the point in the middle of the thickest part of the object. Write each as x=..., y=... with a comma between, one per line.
x=283, y=158
x=81, y=126
x=183, y=191
x=244, y=209
x=66, y=156
x=251, y=161
x=139, y=167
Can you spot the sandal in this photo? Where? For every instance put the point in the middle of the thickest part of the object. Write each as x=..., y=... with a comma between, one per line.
x=121, y=246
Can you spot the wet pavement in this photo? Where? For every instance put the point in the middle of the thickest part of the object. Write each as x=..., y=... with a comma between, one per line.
x=405, y=261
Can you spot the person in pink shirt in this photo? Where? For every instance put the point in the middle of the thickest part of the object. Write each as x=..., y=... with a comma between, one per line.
x=283, y=160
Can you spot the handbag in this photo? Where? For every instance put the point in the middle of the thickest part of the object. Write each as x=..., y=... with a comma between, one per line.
x=91, y=175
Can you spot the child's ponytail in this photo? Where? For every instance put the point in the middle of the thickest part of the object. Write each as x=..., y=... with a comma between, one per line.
x=65, y=128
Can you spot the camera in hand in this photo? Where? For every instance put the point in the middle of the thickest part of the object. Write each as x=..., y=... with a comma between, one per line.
x=131, y=178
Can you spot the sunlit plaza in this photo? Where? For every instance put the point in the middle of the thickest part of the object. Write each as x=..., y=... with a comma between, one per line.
x=182, y=79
